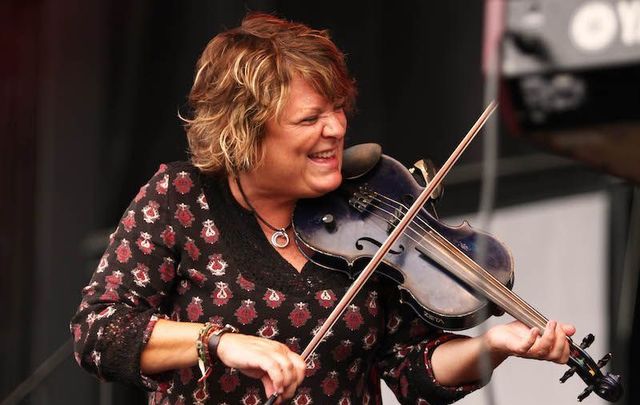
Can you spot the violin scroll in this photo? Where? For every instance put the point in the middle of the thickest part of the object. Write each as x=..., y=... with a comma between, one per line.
x=607, y=386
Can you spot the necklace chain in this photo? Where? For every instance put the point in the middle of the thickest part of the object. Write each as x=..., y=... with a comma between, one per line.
x=279, y=237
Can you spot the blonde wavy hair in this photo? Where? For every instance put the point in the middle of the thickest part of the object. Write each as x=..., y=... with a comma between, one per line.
x=242, y=80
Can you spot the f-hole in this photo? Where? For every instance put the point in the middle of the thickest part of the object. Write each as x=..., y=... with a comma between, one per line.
x=374, y=242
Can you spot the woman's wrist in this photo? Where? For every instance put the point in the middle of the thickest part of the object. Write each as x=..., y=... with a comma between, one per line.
x=213, y=342
x=491, y=345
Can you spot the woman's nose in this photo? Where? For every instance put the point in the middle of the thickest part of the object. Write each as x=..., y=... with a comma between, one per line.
x=336, y=125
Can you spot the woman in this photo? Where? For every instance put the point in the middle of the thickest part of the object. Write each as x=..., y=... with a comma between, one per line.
x=202, y=297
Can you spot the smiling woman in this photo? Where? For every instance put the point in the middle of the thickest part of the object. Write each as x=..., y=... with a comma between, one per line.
x=201, y=298
x=303, y=146
x=243, y=79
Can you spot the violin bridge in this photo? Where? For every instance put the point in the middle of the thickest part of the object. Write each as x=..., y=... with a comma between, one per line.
x=428, y=171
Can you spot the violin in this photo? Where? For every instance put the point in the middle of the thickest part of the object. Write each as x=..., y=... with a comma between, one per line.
x=436, y=266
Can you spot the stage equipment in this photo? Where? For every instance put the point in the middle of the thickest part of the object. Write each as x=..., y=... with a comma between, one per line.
x=571, y=79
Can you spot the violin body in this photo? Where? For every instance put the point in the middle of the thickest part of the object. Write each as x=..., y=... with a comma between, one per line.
x=343, y=229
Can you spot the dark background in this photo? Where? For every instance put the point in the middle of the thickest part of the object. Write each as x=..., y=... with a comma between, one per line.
x=89, y=98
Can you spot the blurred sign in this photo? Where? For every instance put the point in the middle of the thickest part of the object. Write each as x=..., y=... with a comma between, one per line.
x=571, y=75
x=544, y=35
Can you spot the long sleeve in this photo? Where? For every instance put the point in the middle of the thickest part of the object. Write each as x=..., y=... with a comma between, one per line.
x=124, y=298
x=404, y=361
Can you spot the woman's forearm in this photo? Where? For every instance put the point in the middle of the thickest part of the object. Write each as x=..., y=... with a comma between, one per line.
x=460, y=361
x=172, y=345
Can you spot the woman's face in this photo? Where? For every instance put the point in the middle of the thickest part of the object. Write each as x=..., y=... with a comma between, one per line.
x=303, y=149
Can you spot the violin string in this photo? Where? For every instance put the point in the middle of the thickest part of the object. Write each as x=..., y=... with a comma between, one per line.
x=499, y=289
x=490, y=279
x=485, y=277
x=534, y=318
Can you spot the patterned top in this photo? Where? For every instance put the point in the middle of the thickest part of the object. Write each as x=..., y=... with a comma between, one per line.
x=186, y=250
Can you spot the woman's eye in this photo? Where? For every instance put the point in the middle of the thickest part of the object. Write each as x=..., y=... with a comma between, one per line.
x=338, y=107
x=310, y=120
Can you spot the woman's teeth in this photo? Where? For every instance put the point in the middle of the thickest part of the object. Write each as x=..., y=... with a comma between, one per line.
x=323, y=155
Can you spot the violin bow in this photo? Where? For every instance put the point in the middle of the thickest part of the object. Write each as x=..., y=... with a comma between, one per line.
x=415, y=208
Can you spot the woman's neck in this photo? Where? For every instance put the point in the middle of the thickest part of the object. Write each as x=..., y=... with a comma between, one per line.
x=273, y=207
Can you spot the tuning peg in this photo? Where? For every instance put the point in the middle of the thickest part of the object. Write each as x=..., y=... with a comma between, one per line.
x=567, y=374
x=585, y=393
x=586, y=342
x=603, y=361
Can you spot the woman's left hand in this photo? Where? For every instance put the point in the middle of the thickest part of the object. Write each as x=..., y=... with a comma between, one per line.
x=516, y=339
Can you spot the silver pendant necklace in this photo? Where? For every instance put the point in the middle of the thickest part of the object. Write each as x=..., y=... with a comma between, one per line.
x=279, y=237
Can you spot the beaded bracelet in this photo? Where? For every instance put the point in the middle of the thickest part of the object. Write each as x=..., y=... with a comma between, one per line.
x=208, y=339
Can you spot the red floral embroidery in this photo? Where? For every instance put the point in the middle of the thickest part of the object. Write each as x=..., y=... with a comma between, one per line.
x=209, y=232
x=167, y=270
x=229, y=380
x=141, y=275
x=330, y=383
x=313, y=365
x=197, y=276
x=123, y=251
x=342, y=351
x=354, y=368
x=269, y=329
x=144, y=243
x=191, y=249
x=370, y=339
x=252, y=397
x=303, y=397
x=168, y=236
x=245, y=284
x=194, y=309
x=222, y=294
x=246, y=313
x=114, y=280
x=293, y=344
x=300, y=314
x=183, y=183
x=150, y=212
x=216, y=265
x=162, y=185
x=352, y=318
x=184, y=215
x=129, y=221
x=372, y=303
x=104, y=263
x=202, y=201
x=273, y=298
x=183, y=287
x=344, y=399
x=326, y=298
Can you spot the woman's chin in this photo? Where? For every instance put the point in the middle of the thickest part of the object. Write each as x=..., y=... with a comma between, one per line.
x=325, y=185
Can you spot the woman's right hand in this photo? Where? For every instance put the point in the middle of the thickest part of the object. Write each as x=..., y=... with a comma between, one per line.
x=279, y=369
